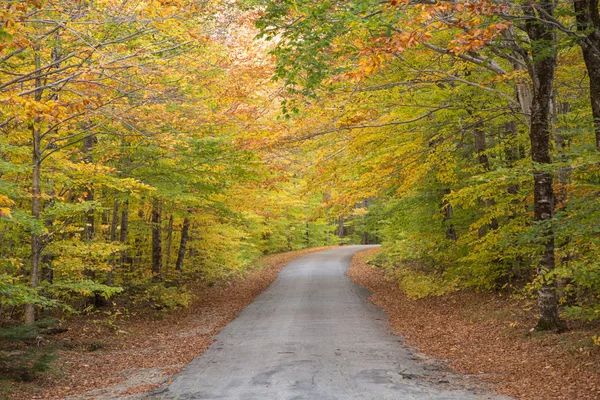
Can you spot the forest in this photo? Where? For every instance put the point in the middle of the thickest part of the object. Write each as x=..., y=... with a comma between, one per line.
x=147, y=146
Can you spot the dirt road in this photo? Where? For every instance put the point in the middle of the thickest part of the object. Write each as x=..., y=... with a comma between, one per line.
x=311, y=335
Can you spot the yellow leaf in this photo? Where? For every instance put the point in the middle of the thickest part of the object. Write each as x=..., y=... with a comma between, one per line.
x=5, y=212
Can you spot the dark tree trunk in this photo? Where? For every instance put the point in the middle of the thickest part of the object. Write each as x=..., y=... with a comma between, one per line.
x=114, y=221
x=137, y=244
x=364, y=236
x=340, y=228
x=124, y=231
x=124, y=222
x=185, y=235
x=512, y=152
x=326, y=199
x=483, y=160
x=543, y=51
x=307, y=235
x=448, y=212
x=562, y=145
x=113, y=238
x=169, y=244
x=588, y=24
x=156, y=240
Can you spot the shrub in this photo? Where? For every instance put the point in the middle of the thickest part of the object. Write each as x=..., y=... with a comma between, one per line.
x=166, y=297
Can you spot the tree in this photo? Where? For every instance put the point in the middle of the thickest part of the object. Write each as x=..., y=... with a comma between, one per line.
x=394, y=78
x=115, y=116
x=587, y=18
x=542, y=36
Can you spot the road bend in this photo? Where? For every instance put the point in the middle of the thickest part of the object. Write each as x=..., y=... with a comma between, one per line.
x=311, y=335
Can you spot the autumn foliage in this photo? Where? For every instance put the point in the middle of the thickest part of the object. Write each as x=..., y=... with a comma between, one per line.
x=131, y=164
x=469, y=123
x=149, y=145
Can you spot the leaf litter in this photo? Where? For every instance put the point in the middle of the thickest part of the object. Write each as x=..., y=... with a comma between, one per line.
x=141, y=353
x=487, y=336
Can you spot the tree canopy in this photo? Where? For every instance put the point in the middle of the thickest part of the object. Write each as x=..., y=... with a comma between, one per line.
x=148, y=145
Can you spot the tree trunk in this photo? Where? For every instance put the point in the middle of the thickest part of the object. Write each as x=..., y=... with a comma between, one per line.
x=563, y=177
x=89, y=223
x=156, y=241
x=137, y=244
x=124, y=221
x=46, y=270
x=88, y=231
x=448, y=215
x=36, y=238
x=588, y=24
x=124, y=231
x=169, y=244
x=518, y=62
x=543, y=52
x=307, y=235
x=520, y=269
x=512, y=152
x=114, y=221
x=340, y=228
x=562, y=145
x=483, y=160
x=113, y=238
x=185, y=232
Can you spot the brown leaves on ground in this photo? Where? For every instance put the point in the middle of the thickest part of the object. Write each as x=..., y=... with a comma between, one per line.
x=140, y=352
x=488, y=335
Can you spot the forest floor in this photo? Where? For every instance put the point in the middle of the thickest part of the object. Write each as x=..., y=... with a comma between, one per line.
x=488, y=336
x=103, y=357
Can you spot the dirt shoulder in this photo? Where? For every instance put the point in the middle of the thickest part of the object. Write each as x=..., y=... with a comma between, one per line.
x=488, y=336
x=101, y=358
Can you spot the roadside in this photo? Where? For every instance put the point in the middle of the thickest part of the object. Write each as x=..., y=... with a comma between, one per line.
x=106, y=358
x=487, y=336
